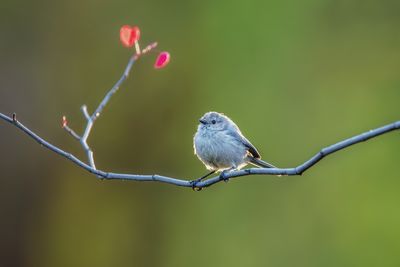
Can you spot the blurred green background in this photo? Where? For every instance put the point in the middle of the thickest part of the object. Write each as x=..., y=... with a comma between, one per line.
x=294, y=75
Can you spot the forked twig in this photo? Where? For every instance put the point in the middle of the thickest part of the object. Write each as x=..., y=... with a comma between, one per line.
x=90, y=119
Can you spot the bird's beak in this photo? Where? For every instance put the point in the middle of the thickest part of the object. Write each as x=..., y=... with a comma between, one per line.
x=202, y=121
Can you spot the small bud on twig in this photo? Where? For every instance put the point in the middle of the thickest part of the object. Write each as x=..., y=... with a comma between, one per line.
x=14, y=117
x=64, y=121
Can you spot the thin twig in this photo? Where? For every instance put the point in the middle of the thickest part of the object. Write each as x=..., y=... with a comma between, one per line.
x=299, y=170
x=90, y=119
x=114, y=89
x=72, y=132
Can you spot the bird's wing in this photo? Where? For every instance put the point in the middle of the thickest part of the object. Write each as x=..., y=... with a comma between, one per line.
x=252, y=149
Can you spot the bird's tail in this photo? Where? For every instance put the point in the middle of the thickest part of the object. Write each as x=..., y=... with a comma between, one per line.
x=260, y=163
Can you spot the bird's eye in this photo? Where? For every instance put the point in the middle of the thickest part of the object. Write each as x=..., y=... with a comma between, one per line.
x=213, y=121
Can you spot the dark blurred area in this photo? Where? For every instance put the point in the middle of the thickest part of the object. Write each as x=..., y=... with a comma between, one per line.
x=294, y=75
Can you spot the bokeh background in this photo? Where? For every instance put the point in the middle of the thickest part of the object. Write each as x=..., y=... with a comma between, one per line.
x=294, y=75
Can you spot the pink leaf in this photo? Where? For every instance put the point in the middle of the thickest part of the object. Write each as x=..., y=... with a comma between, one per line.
x=129, y=35
x=162, y=60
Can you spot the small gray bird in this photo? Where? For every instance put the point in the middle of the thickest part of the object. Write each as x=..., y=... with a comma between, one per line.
x=221, y=146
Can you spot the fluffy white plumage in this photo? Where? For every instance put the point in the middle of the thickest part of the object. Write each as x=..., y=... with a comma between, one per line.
x=220, y=145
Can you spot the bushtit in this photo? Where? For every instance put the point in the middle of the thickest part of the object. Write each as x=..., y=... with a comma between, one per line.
x=221, y=146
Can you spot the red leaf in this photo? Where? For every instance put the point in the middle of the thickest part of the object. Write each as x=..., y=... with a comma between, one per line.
x=162, y=60
x=129, y=35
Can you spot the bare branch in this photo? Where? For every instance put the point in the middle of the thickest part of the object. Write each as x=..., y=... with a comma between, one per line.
x=90, y=119
x=234, y=174
x=91, y=167
x=114, y=89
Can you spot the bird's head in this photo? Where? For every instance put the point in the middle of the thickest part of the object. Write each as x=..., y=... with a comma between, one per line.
x=214, y=121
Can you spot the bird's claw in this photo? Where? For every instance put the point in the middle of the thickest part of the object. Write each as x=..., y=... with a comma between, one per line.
x=194, y=183
x=223, y=176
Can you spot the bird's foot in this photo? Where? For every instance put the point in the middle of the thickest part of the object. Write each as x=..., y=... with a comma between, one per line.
x=194, y=183
x=223, y=176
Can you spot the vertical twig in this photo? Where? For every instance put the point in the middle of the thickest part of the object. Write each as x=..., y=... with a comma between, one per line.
x=90, y=119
